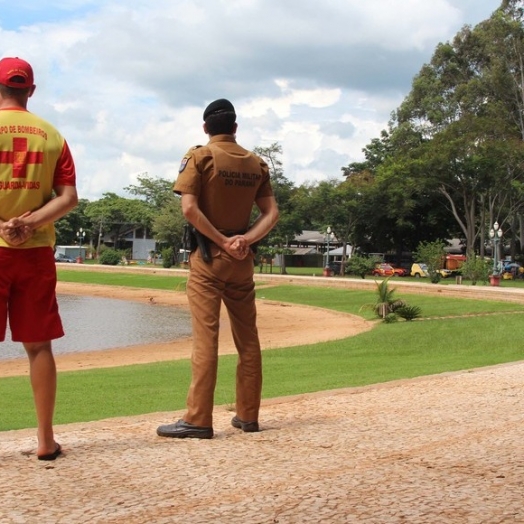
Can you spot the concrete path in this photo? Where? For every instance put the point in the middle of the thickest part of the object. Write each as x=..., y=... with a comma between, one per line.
x=436, y=450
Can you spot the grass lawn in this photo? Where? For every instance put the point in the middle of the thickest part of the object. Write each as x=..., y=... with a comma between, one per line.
x=454, y=334
x=151, y=281
x=318, y=271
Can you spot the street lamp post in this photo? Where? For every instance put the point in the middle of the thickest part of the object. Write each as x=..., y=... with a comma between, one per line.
x=495, y=234
x=329, y=235
x=80, y=235
x=328, y=231
x=99, y=240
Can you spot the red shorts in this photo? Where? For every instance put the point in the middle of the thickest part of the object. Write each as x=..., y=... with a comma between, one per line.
x=28, y=295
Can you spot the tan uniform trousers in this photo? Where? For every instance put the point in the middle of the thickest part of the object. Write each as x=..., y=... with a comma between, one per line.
x=231, y=281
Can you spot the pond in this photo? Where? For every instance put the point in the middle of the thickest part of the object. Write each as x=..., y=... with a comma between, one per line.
x=94, y=323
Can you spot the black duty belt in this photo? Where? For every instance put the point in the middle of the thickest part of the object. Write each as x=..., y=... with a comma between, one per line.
x=231, y=233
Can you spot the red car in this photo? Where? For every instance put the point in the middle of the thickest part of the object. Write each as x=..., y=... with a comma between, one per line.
x=400, y=271
x=387, y=270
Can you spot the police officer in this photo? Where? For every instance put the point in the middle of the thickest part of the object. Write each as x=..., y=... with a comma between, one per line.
x=219, y=183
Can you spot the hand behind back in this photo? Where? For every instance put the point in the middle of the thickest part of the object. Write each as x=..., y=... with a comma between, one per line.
x=15, y=231
x=237, y=247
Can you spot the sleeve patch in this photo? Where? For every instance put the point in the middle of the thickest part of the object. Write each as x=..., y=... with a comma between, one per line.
x=183, y=164
x=185, y=160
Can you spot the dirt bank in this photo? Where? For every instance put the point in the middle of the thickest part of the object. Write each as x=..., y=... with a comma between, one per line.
x=280, y=325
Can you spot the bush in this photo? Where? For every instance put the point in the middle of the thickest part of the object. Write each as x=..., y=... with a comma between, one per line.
x=385, y=304
x=432, y=254
x=390, y=318
x=167, y=257
x=361, y=266
x=408, y=312
x=110, y=257
x=476, y=269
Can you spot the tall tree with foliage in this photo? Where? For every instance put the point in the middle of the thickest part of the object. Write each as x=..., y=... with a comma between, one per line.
x=461, y=140
x=393, y=213
x=156, y=192
x=337, y=204
x=289, y=223
x=69, y=225
x=115, y=214
x=168, y=223
x=504, y=66
x=432, y=254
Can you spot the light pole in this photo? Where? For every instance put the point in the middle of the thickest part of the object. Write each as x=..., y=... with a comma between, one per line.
x=329, y=235
x=80, y=235
x=99, y=240
x=495, y=233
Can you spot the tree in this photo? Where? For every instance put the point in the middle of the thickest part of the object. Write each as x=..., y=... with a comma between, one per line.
x=115, y=214
x=463, y=141
x=289, y=223
x=337, y=204
x=67, y=227
x=361, y=265
x=154, y=191
x=395, y=212
x=168, y=223
x=386, y=303
x=168, y=220
x=432, y=254
x=476, y=268
x=504, y=65
x=375, y=153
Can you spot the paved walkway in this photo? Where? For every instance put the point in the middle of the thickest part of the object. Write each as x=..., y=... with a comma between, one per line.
x=441, y=449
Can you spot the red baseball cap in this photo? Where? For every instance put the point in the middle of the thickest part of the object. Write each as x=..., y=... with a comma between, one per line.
x=15, y=72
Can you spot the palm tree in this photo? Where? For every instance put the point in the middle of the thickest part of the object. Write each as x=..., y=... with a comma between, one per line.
x=385, y=303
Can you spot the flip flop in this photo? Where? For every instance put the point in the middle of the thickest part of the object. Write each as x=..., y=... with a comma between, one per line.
x=52, y=456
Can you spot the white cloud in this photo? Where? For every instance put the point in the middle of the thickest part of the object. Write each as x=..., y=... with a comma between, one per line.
x=126, y=82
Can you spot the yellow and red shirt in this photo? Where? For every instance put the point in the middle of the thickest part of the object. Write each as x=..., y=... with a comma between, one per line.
x=34, y=159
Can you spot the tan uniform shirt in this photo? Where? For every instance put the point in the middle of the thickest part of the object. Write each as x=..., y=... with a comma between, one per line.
x=227, y=179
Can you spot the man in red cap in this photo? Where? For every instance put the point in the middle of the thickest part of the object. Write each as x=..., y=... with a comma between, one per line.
x=37, y=187
x=220, y=183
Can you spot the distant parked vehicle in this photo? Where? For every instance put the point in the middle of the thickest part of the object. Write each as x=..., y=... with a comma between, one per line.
x=60, y=257
x=387, y=270
x=335, y=267
x=511, y=270
x=400, y=271
x=419, y=271
x=453, y=263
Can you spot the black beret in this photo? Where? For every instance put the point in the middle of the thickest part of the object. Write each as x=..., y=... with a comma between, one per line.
x=219, y=106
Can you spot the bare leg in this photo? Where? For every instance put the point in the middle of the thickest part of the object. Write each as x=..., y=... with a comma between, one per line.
x=43, y=381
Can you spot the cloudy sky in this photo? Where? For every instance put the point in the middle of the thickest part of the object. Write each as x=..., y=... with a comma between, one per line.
x=126, y=81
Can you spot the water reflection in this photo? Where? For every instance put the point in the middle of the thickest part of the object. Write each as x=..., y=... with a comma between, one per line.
x=93, y=323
